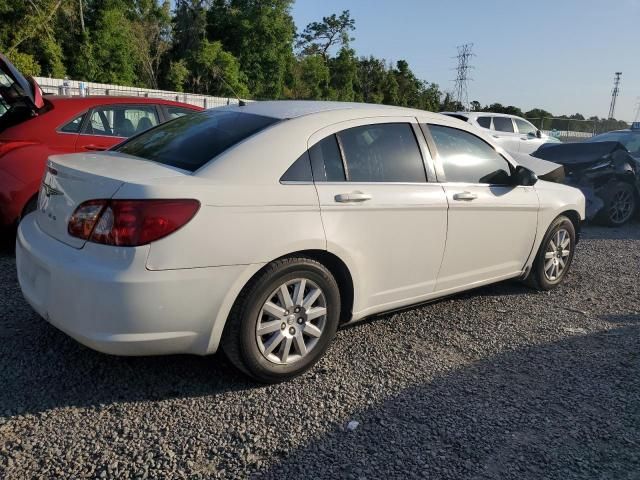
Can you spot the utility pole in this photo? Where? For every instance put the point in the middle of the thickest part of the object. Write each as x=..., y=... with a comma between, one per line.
x=614, y=94
x=461, y=93
x=637, y=117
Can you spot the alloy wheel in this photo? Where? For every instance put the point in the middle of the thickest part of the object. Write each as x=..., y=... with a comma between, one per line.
x=557, y=255
x=291, y=321
x=621, y=206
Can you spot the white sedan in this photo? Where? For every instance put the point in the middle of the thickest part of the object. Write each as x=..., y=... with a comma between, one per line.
x=261, y=228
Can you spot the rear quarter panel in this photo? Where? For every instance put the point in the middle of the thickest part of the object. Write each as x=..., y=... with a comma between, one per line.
x=236, y=224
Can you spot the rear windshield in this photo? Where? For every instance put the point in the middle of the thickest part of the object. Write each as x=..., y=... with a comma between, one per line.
x=191, y=141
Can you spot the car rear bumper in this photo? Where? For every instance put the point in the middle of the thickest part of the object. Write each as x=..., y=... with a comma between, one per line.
x=106, y=299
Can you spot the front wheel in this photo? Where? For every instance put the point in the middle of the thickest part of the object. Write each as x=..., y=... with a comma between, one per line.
x=619, y=205
x=554, y=256
x=283, y=321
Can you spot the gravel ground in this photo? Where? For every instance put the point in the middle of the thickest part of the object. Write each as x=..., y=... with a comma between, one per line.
x=500, y=382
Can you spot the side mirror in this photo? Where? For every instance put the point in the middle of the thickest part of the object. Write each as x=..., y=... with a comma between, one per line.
x=538, y=134
x=525, y=177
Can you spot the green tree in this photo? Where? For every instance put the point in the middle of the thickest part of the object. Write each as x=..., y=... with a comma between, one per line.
x=114, y=49
x=189, y=27
x=215, y=71
x=332, y=31
x=178, y=75
x=373, y=80
x=27, y=35
x=152, y=37
x=450, y=105
x=310, y=79
x=343, y=72
x=260, y=34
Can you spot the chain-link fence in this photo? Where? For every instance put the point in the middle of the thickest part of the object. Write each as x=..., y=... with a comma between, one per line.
x=575, y=130
x=57, y=86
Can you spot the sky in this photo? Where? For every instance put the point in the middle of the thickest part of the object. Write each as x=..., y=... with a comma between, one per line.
x=558, y=55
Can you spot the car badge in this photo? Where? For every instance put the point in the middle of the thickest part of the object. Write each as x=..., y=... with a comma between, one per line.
x=49, y=190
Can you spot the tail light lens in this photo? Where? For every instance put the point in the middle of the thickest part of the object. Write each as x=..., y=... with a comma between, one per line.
x=130, y=223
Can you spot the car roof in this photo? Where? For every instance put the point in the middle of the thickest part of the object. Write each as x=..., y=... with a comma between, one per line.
x=289, y=109
x=482, y=114
x=633, y=132
x=91, y=100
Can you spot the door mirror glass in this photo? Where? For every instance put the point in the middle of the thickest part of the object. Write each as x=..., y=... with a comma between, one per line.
x=525, y=177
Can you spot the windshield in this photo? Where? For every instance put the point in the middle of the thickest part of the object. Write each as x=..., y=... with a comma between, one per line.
x=191, y=141
x=630, y=140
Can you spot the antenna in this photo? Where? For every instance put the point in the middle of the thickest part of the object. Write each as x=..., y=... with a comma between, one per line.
x=462, y=78
x=217, y=73
x=614, y=94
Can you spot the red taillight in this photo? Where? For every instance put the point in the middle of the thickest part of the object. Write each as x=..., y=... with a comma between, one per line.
x=130, y=223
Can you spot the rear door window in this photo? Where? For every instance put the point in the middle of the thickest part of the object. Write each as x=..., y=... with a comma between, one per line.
x=503, y=124
x=121, y=120
x=191, y=141
x=382, y=153
x=484, y=122
x=74, y=125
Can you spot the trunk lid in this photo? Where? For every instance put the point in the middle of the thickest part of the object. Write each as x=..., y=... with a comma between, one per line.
x=70, y=180
x=16, y=89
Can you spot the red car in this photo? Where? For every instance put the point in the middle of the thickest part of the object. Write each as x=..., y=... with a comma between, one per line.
x=33, y=127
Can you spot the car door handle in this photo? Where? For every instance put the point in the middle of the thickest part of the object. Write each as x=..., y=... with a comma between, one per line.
x=353, y=197
x=95, y=148
x=495, y=136
x=466, y=196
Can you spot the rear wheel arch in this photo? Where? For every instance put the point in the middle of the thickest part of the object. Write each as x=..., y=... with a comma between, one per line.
x=334, y=264
x=238, y=338
x=340, y=272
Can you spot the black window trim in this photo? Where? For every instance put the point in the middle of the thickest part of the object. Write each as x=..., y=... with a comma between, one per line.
x=490, y=117
x=164, y=108
x=442, y=178
x=71, y=119
x=299, y=182
x=108, y=105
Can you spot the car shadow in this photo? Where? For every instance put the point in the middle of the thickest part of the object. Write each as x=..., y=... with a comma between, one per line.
x=7, y=242
x=42, y=368
x=569, y=409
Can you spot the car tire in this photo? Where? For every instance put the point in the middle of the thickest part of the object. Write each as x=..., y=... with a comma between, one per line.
x=552, y=261
x=620, y=204
x=263, y=323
